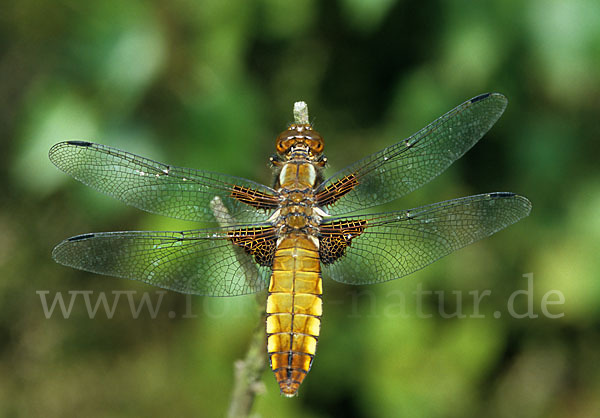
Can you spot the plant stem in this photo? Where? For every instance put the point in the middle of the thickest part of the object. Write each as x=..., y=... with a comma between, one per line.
x=301, y=113
x=247, y=372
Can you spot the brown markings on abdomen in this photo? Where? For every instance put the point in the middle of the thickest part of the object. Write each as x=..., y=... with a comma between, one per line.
x=294, y=309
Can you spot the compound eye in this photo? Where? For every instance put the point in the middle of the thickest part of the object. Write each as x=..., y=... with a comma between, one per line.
x=315, y=145
x=284, y=144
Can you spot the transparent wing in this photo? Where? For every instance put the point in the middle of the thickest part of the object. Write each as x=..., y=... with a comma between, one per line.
x=395, y=244
x=407, y=165
x=202, y=262
x=181, y=193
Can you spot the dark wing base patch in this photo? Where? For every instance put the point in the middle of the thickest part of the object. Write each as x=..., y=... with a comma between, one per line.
x=258, y=242
x=254, y=198
x=335, y=237
x=335, y=191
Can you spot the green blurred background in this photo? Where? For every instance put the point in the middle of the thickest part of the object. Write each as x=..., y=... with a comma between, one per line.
x=209, y=84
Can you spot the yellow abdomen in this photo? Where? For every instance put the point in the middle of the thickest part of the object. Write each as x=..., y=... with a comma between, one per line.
x=294, y=309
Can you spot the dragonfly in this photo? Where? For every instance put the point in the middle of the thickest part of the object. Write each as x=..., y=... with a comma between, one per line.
x=287, y=237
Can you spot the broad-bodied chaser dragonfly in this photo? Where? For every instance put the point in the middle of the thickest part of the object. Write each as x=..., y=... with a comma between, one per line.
x=286, y=237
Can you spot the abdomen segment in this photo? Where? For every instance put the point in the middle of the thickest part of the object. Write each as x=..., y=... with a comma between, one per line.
x=294, y=309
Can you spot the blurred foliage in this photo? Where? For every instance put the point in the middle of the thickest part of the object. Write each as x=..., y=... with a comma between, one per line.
x=209, y=84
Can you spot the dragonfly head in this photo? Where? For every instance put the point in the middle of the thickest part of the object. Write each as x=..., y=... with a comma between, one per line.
x=300, y=137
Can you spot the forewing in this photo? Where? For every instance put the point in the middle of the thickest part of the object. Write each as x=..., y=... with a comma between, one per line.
x=181, y=193
x=408, y=164
x=202, y=262
x=390, y=245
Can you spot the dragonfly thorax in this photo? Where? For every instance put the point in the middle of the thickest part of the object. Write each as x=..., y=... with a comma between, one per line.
x=297, y=208
x=296, y=182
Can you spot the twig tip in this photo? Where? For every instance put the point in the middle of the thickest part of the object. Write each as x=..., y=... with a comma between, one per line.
x=301, y=113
